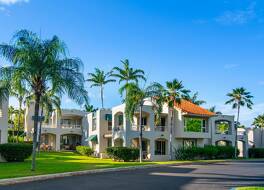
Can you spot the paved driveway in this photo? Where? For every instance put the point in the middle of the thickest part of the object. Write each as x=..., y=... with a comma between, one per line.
x=213, y=176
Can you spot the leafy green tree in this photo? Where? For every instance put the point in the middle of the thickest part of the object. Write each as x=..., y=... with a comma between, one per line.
x=100, y=78
x=239, y=97
x=135, y=99
x=194, y=98
x=173, y=93
x=12, y=112
x=127, y=74
x=42, y=65
x=259, y=123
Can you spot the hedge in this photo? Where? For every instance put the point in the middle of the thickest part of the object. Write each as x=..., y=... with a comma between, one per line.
x=123, y=153
x=205, y=153
x=256, y=152
x=15, y=152
x=84, y=150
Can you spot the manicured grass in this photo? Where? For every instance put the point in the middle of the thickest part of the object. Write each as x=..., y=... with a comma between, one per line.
x=58, y=162
x=249, y=188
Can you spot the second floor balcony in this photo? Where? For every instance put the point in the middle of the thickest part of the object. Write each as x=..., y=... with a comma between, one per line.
x=70, y=126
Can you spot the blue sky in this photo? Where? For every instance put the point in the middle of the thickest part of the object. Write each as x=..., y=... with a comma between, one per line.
x=212, y=46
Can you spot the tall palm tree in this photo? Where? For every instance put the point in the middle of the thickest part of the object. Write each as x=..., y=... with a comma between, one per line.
x=239, y=97
x=127, y=74
x=259, y=122
x=42, y=65
x=89, y=108
x=100, y=78
x=135, y=99
x=194, y=99
x=174, y=92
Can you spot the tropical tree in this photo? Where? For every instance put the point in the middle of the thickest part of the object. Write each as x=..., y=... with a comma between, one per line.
x=12, y=112
x=194, y=98
x=135, y=99
x=89, y=108
x=213, y=109
x=127, y=74
x=42, y=65
x=100, y=78
x=239, y=97
x=259, y=123
x=173, y=93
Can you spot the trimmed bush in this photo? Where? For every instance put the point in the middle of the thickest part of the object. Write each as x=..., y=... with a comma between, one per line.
x=15, y=152
x=205, y=153
x=256, y=152
x=84, y=150
x=123, y=153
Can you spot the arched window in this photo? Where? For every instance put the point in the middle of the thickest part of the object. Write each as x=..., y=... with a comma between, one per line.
x=223, y=127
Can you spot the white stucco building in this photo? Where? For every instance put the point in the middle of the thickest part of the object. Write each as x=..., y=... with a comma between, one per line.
x=192, y=126
x=3, y=121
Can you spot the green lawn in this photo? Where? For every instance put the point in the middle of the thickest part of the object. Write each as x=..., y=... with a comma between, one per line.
x=249, y=188
x=58, y=162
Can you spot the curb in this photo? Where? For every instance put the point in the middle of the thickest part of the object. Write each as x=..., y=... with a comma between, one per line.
x=12, y=181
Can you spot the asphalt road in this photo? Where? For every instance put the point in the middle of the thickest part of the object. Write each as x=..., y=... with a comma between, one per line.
x=199, y=176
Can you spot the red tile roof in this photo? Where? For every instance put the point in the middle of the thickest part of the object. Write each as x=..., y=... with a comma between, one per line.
x=192, y=108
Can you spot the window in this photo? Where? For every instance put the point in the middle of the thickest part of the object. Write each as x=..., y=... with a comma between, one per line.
x=160, y=147
x=109, y=125
x=144, y=121
x=94, y=124
x=163, y=121
x=222, y=127
x=108, y=118
x=195, y=125
x=189, y=143
x=109, y=142
x=120, y=120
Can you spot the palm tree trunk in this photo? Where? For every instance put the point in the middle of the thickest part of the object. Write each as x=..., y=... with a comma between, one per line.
x=238, y=112
x=19, y=118
x=40, y=125
x=36, y=115
x=171, y=117
x=140, y=133
x=102, y=98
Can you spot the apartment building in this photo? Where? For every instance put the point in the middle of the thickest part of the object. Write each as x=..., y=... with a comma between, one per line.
x=62, y=132
x=191, y=126
x=3, y=121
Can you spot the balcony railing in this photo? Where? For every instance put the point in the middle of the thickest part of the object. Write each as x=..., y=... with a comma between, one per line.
x=118, y=128
x=137, y=128
x=70, y=126
x=161, y=128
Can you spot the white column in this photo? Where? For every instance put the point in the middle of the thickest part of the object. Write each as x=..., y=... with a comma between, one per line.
x=57, y=142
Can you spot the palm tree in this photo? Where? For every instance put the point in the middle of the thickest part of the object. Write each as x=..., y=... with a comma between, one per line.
x=194, y=98
x=42, y=65
x=135, y=99
x=239, y=97
x=213, y=109
x=100, y=78
x=174, y=92
x=259, y=122
x=127, y=74
x=89, y=108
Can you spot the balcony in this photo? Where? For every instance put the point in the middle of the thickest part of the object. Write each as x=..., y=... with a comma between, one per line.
x=70, y=126
x=137, y=128
x=161, y=128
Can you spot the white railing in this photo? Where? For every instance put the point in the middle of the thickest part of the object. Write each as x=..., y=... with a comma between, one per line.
x=137, y=128
x=70, y=126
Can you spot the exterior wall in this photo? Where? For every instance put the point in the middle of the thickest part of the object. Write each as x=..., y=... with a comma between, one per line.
x=3, y=121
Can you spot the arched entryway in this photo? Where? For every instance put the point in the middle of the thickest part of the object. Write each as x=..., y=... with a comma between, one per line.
x=48, y=142
x=223, y=143
x=70, y=141
x=118, y=121
x=145, y=146
x=119, y=142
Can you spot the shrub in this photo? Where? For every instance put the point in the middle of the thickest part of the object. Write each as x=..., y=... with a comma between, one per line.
x=15, y=152
x=84, y=150
x=256, y=152
x=123, y=153
x=206, y=152
x=15, y=139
